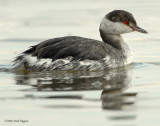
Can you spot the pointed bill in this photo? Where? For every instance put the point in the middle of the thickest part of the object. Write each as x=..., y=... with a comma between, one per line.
x=139, y=29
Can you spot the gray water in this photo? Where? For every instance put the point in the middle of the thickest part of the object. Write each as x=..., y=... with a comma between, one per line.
x=127, y=96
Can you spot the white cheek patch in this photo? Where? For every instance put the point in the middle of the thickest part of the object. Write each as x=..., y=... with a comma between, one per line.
x=114, y=27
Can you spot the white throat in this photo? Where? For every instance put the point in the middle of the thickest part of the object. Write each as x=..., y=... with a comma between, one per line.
x=111, y=27
x=110, y=33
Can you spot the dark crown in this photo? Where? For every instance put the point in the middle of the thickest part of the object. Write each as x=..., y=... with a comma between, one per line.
x=121, y=16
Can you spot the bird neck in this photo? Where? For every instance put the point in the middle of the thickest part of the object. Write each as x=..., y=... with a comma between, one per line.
x=115, y=40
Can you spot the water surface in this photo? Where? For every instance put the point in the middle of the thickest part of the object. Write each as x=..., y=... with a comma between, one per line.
x=127, y=96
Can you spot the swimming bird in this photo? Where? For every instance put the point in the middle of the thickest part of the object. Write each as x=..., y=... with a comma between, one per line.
x=79, y=53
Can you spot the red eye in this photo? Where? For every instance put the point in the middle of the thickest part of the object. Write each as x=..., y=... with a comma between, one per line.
x=125, y=22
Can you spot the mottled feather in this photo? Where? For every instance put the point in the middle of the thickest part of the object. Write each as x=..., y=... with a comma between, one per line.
x=77, y=47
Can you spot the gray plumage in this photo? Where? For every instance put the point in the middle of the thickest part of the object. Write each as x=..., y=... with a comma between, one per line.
x=78, y=53
x=77, y=47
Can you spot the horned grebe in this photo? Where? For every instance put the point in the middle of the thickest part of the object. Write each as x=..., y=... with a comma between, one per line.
x=78, y=53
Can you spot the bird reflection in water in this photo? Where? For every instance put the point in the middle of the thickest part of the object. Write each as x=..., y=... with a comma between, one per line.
x=113, y=83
